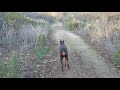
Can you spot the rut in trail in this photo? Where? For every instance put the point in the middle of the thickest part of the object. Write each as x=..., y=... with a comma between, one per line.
x=84, y=61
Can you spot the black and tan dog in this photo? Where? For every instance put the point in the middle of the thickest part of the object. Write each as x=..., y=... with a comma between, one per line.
x=63, y=53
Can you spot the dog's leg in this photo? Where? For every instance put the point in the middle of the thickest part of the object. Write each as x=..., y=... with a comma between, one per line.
x=67, y=62
x=61, y=58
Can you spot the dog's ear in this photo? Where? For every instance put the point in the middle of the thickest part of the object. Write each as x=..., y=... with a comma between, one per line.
x=60, y=40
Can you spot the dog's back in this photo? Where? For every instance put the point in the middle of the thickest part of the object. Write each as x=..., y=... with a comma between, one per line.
x=63, y=49
x=63, y=53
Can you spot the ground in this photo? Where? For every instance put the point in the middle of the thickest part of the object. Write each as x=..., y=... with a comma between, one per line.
x=84, y=61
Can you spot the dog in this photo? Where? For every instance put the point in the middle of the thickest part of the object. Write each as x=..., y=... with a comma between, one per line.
x=63, y=54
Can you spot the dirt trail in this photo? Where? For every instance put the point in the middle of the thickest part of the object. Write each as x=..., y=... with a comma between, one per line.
x=84, y=61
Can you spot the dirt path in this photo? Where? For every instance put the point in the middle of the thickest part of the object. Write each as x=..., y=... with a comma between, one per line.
x=84, y=61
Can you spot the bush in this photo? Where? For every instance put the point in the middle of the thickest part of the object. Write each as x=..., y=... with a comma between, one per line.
x=117, y=56
x=42, y=48
x=41, y=40
x=12, y=19
x=16, y=19
x=1, y=70
x=71, y=23
x=9, y=70
x=12, y=65
x=41, y=52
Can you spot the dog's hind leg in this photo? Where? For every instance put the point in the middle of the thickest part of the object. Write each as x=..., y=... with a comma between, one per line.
x=61, y=58
x=67, y=62
x=68, y=65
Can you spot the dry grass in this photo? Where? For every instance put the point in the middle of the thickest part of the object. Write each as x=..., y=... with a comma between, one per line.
x=101, y=29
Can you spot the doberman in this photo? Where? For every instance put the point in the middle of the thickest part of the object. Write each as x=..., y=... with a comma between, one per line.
x=63, y=53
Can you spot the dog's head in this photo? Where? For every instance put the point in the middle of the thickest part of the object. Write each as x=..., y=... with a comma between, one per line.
x=61, y=41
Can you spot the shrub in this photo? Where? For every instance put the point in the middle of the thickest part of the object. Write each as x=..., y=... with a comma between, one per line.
x=117, y=56
x=1, y=70
x=12, y=65
x=71, y=23
x=41, y=52
x=42, y=48
x=41, y=40
x=16, y=19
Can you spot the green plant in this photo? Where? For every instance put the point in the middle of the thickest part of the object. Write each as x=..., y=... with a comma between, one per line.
x=116, y=56
x=1, y=69
x=41, y=40
x=16, y=19
x=12, y=18
x=87, y=34
x=71, y=23
x=41, y=52
x=12, y=65
x=42, y=48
